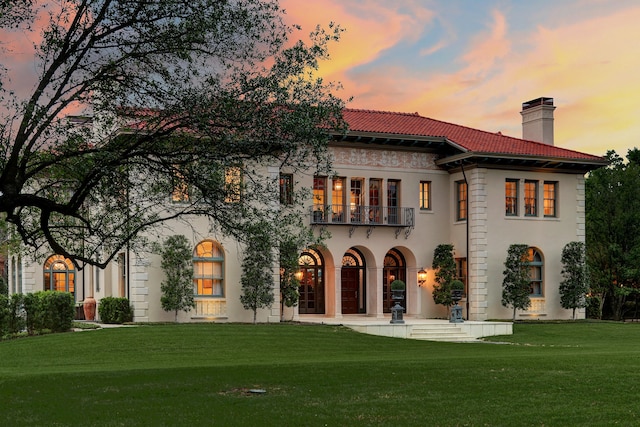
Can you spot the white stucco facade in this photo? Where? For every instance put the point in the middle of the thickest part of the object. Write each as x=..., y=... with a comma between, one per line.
x=380, y=230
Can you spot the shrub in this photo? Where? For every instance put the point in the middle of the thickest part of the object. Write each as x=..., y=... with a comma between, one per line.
x=593, y=307
x=16, y=314
x=33, y=312
x=51, y=310
x=398, y=285
x=4, y=315
x=58, y=310
x=115, y=310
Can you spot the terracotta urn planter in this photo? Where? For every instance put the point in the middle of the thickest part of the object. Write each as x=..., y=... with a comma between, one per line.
x=89, y=307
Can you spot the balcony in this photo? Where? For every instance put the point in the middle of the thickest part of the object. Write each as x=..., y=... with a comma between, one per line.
x=371, y=216
x=210, y=308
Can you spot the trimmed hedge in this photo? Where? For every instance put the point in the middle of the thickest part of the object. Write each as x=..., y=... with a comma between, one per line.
x=115, y=310
x=45, y=310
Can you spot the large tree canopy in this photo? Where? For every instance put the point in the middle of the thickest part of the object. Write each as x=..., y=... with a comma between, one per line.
x=613, y=230
x=206, y=98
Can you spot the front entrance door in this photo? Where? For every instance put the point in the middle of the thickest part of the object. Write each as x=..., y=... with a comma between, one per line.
x=350, y=287
x=353, y=283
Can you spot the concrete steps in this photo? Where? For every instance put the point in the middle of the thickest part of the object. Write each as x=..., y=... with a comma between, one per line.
x=450, y=332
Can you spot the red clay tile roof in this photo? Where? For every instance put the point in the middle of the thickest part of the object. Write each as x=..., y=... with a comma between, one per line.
x=470, y=140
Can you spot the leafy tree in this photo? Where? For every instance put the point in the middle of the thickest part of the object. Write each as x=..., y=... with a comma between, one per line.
x=516, y=283
x=177, y=264
x=575, y=284
x=445, y=267
x=257, y=270
x=613, y=231
x=169, y=97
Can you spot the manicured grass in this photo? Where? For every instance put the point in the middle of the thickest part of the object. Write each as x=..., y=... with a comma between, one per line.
x=174, y=375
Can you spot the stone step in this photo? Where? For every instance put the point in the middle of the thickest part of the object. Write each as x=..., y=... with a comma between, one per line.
x=442, y=332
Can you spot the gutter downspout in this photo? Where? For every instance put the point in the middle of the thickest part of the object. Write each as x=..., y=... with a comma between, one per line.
x=464, y=175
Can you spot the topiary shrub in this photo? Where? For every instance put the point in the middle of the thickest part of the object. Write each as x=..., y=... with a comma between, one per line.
x=398, y=285
x=58, y=310
x=33, y=312
x=16, y=314
x=115, y=310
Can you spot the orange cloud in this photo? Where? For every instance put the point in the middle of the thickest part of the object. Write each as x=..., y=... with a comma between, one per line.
x=592, y=76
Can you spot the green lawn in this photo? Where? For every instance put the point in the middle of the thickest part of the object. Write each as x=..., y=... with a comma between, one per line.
x=200, y=375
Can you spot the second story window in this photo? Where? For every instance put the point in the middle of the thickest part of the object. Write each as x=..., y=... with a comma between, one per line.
x=180, y=192
x=319, y=198
x=461, y=200
x=338, y=199
x=233, y=184
x=286, y=189
x=425, y=195
x=393, y=200
x=511, y=197
x=550, y=198
x=531, y=198
x=375, y=185
x=356, y=202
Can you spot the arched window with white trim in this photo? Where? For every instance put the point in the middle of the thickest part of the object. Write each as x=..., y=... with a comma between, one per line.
x=59, y=274
x=208, y=269
x=536, y=272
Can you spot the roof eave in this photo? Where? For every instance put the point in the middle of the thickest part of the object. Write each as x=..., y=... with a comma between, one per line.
x=507, y=160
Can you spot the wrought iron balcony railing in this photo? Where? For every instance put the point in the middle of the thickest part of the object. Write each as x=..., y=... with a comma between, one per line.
x=362, y=215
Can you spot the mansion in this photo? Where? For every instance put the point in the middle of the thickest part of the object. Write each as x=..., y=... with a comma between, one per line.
x=402, y=185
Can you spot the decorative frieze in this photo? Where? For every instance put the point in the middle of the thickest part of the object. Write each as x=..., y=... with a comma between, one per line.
x=382, y=158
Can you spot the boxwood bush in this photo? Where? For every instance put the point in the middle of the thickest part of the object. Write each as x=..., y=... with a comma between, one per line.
x=36, y=312
x=115, y=310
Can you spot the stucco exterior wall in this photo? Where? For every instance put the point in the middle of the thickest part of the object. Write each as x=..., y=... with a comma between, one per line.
x=483, y=239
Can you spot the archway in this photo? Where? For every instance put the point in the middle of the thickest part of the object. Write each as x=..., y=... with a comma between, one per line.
x=311, y=266
x=395, y=268
x=353, y=282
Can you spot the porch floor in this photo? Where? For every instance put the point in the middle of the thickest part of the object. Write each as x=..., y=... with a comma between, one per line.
x=416, y=328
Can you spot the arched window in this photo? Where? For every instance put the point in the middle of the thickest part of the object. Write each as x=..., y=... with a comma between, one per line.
x=59, y=274
x=208, y=269
x=311, y=289
x=394, y=268
x=536, y=264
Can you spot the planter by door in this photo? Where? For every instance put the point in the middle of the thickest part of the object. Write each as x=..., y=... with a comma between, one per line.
x=89, y=307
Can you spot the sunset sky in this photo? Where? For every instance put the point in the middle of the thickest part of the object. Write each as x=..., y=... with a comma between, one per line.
x=473, y=62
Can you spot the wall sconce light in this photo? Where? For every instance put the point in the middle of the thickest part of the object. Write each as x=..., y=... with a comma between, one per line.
x=422, y=277
x=299, y=275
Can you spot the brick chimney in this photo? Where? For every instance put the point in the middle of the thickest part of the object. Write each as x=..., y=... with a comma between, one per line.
x=537, y=120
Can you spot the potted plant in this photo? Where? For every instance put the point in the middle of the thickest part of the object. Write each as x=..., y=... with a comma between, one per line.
x=397, y=294
x=397, y=289
x=457, y=289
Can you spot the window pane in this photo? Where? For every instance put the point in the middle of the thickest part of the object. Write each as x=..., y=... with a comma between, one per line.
x=425, y=195
x=511, y=197
x=531, y=198
x=550, y=199
x=208, y=269
x=286, y=189
x=461, y=199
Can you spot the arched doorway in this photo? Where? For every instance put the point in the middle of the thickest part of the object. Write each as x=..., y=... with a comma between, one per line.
x=394, y=268
x=311, y=288
x=353, y=282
